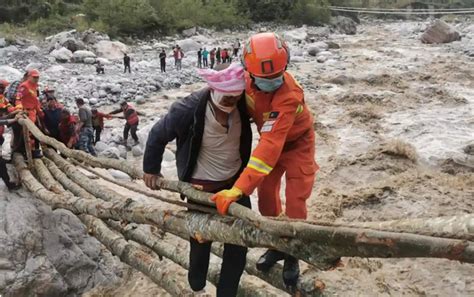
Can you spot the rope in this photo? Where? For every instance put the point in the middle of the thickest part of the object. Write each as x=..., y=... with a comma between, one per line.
x=400, y=9
x=405, y=12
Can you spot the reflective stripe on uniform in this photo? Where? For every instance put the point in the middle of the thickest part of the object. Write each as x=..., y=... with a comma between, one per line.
x=300, y=109
x=259, y=165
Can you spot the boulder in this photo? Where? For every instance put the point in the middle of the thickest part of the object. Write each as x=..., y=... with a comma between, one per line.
x=103, y=61
x=55, y=68
x=79, y=56
x=65, y=39
x=89, y=61
x=440, y=32
x=344, y=25
x=101, y=146
x=91, y=36
x=333, y=45
x=9, y=50
x=62, y=55
x=10, y=73
x=32, y=49
x=33, y=66
x=111, y=152
x=137, y=151
x=189, y=32
x=317, y=47
x=469, y=149
x=112, y=50
x=159, y=45
x=189, y=45
x=3, y=42
x=48, y=252
x=299, y=34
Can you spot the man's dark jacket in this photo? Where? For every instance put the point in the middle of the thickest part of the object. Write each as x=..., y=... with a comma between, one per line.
x=185, y=123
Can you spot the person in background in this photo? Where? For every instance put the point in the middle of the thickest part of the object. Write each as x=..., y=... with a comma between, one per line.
x=178, y=57
x=205, y=58
x=52, y=117
x=126, y=63
x=98, y=123
x=68, y=129
x=212, y=56
x=131, y=121
x=218, y=55
x=224, y=55
x=236, y=47
x=86, y=133
x=214, y=139
x=99, y=68
x=163, y=60
x=199, y=53
x=27, y=100
x=229, y=56
x=4, y=120
x=276, y=103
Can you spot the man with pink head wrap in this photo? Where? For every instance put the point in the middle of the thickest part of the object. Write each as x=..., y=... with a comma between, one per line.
x=213, y=139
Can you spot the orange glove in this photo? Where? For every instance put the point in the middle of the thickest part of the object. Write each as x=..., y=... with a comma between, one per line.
x=224, y=198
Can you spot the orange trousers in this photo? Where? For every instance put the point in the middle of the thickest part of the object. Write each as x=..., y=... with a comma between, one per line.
x=298, y=164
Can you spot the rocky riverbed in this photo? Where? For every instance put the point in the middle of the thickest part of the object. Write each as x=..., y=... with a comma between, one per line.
x=394, y=123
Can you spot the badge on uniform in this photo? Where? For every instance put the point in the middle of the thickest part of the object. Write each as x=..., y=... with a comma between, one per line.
x=267, y=126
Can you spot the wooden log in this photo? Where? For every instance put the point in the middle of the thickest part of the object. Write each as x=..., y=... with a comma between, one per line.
x=165, y=273
x=288, y=228
x=140, y=234
x=319, y=252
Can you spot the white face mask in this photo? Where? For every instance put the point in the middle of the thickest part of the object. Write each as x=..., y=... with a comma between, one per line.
x=217, y=96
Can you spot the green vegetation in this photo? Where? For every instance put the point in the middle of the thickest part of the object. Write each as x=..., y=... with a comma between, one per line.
x=139, y=17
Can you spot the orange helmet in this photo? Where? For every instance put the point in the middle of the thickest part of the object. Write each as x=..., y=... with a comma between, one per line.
x=265, y=54
x=4, y=83
x=33, y=73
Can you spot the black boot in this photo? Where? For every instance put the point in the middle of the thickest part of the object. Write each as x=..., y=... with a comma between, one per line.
x=269, y=259
x=291, y=272
x=37, y=154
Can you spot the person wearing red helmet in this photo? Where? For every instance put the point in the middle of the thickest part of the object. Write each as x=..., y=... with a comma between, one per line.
x=276, y=103
x=27, y=99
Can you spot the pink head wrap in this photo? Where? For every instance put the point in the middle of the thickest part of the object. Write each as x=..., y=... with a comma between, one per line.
x=229, y=80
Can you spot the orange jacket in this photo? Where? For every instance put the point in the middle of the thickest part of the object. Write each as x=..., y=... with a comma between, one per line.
x=282, y=118
x=27, y=96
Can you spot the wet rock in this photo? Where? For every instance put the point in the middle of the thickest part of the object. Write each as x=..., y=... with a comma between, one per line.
x=79, y=56
x=111, y=152
x=10, y=73
x=46, y=252
x=344, y=25
x=342, y=80
x=62, y=55
x=469, y=149
x=112, y=50
x=299, y=34
x=332, y=45
x=189, y=45
x=440, y=32
x=137, y=151
x=317, y=47
x=189, y=32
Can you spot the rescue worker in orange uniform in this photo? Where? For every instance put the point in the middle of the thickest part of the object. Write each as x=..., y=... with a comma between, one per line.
x=27, y=99
x=276, y=103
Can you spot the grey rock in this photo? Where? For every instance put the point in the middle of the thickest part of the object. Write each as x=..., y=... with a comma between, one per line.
x=137, y=151
x=469, y=149
x=111, y=152
x=10, y=73
x=89, y=60
x=101, y=146
x=33, y=66
x=440, y=32
x=32, y=49
x=9, y=50
x=299, y=34
x=80, y=55
x=189, y=32
x=111, y=50
x=344, y=25
x=316, y=48
x=62, y=55
x=3, y=42
x=189, y=45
